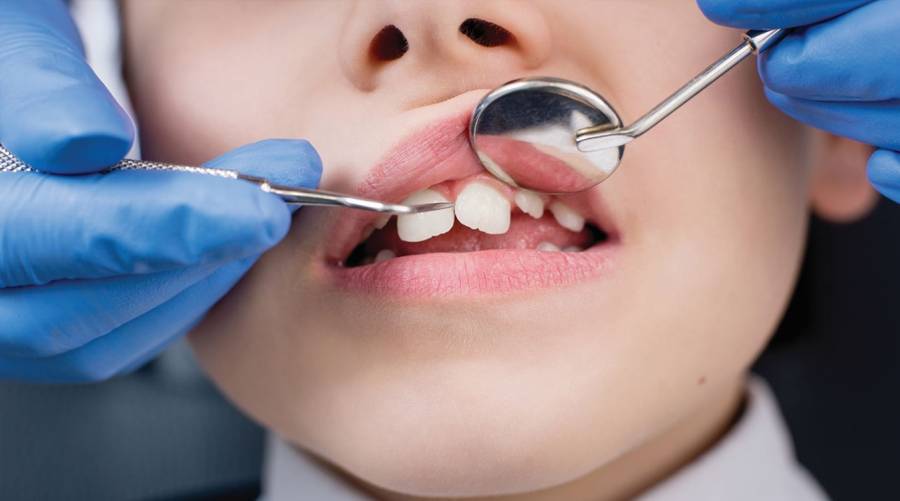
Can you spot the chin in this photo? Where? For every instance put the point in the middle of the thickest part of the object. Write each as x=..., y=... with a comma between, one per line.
x=457, y=430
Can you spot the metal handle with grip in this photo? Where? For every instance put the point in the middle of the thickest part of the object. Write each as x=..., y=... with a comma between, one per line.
x=599, y=138
x=293, y=196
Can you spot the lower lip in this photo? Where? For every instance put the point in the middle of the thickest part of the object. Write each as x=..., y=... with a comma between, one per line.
x=474, y=274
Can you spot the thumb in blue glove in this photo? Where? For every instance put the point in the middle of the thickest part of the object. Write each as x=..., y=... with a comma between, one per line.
x=55, y=114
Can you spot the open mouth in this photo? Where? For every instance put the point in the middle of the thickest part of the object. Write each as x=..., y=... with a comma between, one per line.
x=486, y=216
x=496, y=239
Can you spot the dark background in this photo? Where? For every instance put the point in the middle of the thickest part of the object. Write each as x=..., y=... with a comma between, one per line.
x=165, y=433
x=835, y=362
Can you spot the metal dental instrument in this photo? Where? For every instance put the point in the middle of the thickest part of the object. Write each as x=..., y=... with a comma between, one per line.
x=556, y=136
x=292, y=196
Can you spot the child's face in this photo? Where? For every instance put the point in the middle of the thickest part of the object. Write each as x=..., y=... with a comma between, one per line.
x=487, y=372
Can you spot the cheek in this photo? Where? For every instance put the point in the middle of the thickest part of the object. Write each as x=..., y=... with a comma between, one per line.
x=198, y=91
x=716, y=203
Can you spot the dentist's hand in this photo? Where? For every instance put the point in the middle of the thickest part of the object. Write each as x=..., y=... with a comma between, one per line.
x=840, y=71
x=98, y=273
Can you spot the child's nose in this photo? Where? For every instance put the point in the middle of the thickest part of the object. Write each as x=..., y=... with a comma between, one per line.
x=442, y=44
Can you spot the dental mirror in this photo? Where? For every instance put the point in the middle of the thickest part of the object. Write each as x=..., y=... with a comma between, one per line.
x=524, y=134
x=556, y=136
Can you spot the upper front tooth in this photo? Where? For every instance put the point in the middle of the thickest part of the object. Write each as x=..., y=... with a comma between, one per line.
x=530, y=203
x=381, y=221
x=480, y=207
x=422, y=226
x=566, y=216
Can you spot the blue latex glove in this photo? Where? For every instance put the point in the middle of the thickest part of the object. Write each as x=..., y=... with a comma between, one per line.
x=840, y=71
x=98, y=273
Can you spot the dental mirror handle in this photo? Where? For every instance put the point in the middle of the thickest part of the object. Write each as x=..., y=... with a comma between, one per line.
x=292, y=196
x=602, y=137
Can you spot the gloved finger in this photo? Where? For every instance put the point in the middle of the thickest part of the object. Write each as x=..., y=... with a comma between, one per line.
x=872, y=123
x=278, y=164
x=291, y=162
x=845, y=59
x=767, y=14
x=133, y=343
x=59, y=227
x=55, y=114
x=58, y=317
x=884, y=173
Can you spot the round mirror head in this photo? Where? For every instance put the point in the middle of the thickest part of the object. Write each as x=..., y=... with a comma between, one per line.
x=524, y=134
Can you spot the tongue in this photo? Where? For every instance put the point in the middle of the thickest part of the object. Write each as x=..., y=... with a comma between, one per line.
x=524, y=232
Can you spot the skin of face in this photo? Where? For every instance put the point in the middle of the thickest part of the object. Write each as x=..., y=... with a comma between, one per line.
x=592, y=390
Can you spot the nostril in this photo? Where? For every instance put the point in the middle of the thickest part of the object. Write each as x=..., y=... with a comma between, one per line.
x=390, y=43
x=485, y=33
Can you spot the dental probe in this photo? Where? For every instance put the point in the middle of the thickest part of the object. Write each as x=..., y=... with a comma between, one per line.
x=292, y=196
x=557, y=136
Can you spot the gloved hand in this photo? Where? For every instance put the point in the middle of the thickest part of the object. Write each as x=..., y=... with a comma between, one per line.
x=98, y=273
x=840, y=71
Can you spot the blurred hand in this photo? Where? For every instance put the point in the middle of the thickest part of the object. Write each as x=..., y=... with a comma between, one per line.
x=98, y=273
x=838, y=71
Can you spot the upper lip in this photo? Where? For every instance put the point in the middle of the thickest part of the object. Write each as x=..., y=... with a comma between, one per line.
x=438, y=152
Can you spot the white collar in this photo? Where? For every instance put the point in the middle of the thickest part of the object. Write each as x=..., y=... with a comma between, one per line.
x=290, y=475
x=754, y=461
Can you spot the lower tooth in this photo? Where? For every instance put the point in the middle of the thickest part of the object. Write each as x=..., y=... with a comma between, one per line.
x=547, y=247
x=572, y=248
x=384, y=255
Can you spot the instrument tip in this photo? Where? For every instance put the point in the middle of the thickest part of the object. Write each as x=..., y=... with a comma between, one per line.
x=416, y=209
